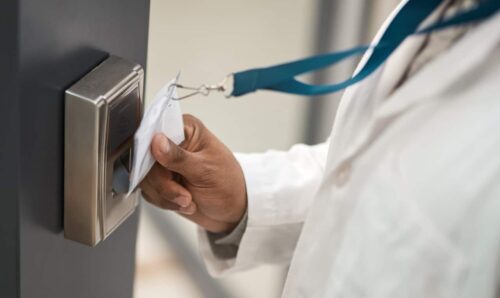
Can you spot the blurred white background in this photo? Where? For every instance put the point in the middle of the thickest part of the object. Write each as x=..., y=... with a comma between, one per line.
x=206, y=40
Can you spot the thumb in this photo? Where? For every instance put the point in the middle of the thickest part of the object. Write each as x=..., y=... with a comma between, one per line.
x=171, y=156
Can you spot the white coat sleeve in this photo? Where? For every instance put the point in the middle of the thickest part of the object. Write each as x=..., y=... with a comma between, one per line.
x=280, y=188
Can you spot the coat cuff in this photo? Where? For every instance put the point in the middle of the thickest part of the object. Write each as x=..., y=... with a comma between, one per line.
x=225, y=245
x=256, y=233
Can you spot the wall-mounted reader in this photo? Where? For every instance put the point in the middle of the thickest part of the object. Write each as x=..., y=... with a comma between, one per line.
x=102, y=112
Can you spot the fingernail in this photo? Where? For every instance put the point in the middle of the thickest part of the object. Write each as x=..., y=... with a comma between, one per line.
x=188, y=210
x=164, y=145
x=182, y=201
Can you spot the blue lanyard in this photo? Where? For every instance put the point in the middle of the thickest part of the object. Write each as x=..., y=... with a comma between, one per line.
x=282, y=77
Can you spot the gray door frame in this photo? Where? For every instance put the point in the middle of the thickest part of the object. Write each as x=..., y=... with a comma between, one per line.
x=46, y=46
x=9, y=151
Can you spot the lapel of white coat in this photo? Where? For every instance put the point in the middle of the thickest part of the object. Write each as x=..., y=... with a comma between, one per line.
x=441, y=73
x=434, y=78
x=354, y=99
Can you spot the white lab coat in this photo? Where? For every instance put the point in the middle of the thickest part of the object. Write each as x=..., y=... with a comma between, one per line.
x=404, y=200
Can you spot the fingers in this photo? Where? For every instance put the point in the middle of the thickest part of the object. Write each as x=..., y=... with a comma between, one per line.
x=160, y=189
x=150, y=194
x=167, y=188
x=172, y=156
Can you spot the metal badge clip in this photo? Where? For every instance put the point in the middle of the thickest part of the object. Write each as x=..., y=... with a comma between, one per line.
x=225, y=86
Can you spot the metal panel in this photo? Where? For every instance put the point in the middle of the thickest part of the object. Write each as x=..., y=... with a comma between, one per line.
x=102, y=112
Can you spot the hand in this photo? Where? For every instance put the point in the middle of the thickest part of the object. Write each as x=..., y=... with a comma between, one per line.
x=200, y=179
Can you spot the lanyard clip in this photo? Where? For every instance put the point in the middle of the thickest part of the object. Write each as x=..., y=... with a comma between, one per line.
x=225, y=86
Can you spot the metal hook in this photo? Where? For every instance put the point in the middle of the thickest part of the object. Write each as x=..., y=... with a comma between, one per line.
x=204, y=89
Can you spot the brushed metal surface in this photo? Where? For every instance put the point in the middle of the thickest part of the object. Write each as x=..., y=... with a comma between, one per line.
x=92, y=210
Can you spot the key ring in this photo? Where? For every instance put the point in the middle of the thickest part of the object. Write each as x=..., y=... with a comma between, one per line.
x=225, y=86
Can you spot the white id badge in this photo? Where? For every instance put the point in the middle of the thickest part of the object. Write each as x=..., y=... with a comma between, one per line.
x=162, y=116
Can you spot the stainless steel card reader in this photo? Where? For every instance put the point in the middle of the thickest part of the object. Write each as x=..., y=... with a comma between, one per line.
x=102, y=113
